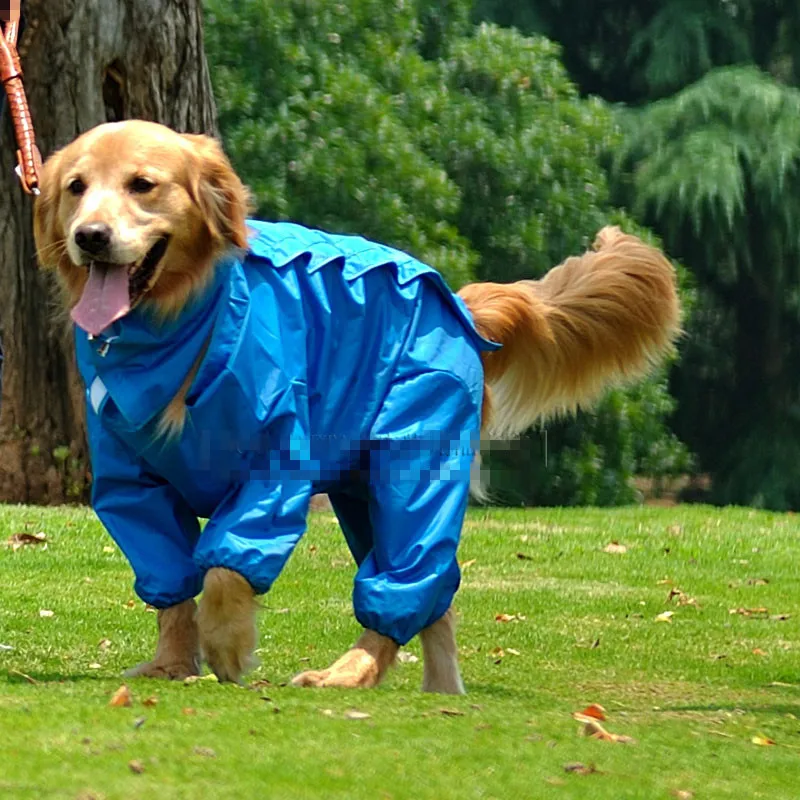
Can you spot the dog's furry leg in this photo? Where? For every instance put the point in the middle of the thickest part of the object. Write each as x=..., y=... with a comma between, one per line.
x=361, y=667
x=440, y=654
x=177, y=654
x=226, y=623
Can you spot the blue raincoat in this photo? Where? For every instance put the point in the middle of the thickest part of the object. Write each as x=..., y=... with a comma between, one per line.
x=335, y=365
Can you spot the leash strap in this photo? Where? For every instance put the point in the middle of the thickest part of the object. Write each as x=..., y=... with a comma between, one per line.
x=29, y=160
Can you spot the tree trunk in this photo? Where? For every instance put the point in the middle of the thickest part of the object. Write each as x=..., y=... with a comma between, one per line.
x=85, y=62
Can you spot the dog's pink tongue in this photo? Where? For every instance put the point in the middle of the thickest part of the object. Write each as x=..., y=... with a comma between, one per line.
x=105, y=298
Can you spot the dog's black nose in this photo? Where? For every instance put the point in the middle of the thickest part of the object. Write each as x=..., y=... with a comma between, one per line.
x=93, y=238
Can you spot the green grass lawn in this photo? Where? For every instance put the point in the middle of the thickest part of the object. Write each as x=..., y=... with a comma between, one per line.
x=696, y=690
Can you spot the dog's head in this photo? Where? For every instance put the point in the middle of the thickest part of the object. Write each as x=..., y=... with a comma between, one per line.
x=133, y=212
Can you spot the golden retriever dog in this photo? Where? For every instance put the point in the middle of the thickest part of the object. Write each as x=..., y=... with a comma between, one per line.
x=234, y=368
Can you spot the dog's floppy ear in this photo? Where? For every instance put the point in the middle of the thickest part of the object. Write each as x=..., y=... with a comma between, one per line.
x=217, y=190
x=47, y=233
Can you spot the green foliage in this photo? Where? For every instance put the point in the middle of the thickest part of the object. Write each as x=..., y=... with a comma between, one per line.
x=317, y=137
x=717, y=169
x=632, y=51
x=466, y=146
x=720, y=151
x=683, y=41
x=713, y=168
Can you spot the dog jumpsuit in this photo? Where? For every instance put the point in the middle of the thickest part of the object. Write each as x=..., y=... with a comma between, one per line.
x=333, y=364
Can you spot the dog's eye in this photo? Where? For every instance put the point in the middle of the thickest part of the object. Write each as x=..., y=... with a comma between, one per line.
x=141, y=185
x=76, y=186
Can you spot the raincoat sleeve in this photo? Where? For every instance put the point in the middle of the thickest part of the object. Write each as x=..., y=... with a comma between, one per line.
x=149, y=520
x=255, y=528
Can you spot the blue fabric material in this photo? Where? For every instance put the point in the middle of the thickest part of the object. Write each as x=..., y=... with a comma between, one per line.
x=334, y=364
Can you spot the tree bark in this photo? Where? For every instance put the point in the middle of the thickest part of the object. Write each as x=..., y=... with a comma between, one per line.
x=86, y=62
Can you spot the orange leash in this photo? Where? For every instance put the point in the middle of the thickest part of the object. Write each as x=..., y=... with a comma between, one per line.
x=29, y=160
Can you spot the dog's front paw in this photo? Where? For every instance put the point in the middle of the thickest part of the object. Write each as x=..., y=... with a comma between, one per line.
x=362, y=667
x=176, y=671
x=177, y=654
x=226, y=624
x=229, y=654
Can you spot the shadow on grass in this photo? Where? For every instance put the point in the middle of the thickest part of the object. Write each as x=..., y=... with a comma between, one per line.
x=775, y=709
x=34, y=678
x=496, y=691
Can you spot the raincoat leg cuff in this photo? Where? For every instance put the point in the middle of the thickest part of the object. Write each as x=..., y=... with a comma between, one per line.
x=258, y=585
x=401, y=630
x=167, y=596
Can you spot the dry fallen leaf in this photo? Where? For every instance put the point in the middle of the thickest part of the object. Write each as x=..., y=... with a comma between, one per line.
x=665, y=616
x=136, y=767
x=594, y=710
x=681, y=598
x=104, y=644
x=188, y=712
x=757, y=651
x=122, y=697
x=675, y=530
x=451, y=712
x=508, y=617
x=750, y=612
x=762, y=741
x=151, y=701
x=208, y=752
x=683, y=794
x=407, y=658
x=18, y=540
x=576, y=768
x=615, y=548
x=353, y=714
x=468, y=564
x=595, y=730
x=497, y=653
x=210, y=678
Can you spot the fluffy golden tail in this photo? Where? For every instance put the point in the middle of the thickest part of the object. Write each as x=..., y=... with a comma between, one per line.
x=596, y=320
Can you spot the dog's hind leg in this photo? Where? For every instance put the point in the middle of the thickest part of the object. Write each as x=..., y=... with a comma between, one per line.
x=440, y=654
x=177, y=654
x=365, y=664
x=361, y=667
x=226, y=623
